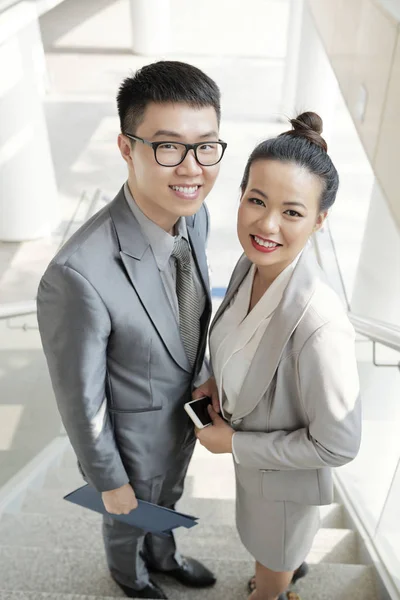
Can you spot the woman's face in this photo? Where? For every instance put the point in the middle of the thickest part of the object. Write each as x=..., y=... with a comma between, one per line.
x=278, y=212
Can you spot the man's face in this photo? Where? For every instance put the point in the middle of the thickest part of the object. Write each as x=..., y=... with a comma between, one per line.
x=166, y=193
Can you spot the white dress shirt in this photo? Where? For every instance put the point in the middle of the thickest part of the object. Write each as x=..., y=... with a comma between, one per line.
x=237, y=334
x=162, y=245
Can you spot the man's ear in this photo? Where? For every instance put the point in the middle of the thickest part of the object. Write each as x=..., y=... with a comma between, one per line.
x=320, y=220
x=125, y=148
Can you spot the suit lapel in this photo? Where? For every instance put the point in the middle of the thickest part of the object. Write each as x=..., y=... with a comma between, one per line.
x=200, y=257
x=239, y=273
x=284, y=321
x=142, y=270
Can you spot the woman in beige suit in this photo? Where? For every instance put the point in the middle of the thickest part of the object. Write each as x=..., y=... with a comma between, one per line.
x=282, y=351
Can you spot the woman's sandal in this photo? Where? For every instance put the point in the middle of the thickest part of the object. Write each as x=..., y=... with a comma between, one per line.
x=285, y=596
x=298, y=574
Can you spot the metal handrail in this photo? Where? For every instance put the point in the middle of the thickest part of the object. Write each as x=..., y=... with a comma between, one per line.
x=6, y=4
x=21, y=309
x=377, y=331
x=17, y=309
x=41, y=6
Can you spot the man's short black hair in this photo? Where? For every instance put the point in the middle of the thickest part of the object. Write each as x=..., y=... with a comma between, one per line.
x=161, y=82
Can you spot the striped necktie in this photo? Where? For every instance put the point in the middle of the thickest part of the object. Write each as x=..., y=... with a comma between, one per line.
x=189, y=318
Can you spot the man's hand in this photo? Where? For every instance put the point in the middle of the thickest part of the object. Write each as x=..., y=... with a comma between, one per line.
x=120, y=501
x=209, y=388
x=217, y=438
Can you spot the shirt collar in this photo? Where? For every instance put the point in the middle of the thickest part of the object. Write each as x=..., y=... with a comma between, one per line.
x=268, y=303
x=161, y=242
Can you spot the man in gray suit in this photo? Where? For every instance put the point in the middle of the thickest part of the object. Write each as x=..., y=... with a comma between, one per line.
x=123, y=313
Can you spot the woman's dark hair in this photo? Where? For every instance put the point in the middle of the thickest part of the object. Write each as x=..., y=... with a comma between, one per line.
x=304, y=146
x=164, y=81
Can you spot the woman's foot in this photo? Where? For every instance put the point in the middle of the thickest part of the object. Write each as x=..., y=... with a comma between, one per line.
x=251, y=586
x=298, y=574
x=285, y=596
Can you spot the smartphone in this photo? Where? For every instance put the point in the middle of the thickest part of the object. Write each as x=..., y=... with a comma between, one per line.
x=197, y=411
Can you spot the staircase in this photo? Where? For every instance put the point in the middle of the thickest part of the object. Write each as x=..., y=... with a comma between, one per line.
x=52, y=550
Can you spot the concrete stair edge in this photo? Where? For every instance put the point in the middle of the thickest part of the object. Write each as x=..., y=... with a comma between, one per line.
x=25, y=595
x=60, y=571
x=50, y=501
x=330, y=545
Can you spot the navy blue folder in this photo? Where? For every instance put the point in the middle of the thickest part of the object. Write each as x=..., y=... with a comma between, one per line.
x=147, y=516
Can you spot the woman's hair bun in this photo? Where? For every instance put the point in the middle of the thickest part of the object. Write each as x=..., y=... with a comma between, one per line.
x=308, y=125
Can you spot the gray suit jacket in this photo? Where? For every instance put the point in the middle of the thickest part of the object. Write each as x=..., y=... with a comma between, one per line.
x=298, y=413
x=116, y=359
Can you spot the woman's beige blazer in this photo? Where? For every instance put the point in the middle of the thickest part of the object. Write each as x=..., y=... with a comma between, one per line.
x=298, y=413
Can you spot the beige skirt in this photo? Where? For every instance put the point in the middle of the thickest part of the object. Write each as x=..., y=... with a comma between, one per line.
x=279, y=535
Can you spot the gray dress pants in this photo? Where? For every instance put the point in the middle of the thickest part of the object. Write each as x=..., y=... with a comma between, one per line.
x=129, y=550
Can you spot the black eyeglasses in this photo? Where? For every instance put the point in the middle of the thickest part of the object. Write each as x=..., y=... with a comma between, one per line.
x=172, y=154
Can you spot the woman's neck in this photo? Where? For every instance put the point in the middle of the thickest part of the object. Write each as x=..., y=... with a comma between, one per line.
x=268, y=274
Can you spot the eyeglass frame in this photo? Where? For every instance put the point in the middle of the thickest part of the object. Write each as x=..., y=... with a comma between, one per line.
x=188, y=147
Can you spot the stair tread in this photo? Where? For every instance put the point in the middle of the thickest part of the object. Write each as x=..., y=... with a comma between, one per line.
x=44, y=531
x=13, y=595
x=50, y=502
x=64, y=479
x=332, y=515
x=58, y=571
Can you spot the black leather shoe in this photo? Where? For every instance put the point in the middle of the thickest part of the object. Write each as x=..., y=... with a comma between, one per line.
x=152, y=591
x=192, y=573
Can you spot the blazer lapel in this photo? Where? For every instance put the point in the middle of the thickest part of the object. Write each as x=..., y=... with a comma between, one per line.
x=142, y=270
x=284, y=321
x=242, y=268
x=199, y=257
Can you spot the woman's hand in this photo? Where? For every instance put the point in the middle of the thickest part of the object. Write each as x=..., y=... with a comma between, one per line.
x=209, y=388
x=217, y=438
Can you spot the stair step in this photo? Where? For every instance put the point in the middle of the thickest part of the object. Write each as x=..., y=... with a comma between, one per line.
x=50, y=502
x=223, y=511
x=334, y=546
x=209, y=476
x=41, y=531
x=332, y=516
x=69, y=458
x=63, y=479
x=76, y=572
x=4, y=595
x=212, y=510
x=341, y=582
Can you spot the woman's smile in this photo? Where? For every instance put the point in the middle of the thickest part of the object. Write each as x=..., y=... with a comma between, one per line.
x=264, y=245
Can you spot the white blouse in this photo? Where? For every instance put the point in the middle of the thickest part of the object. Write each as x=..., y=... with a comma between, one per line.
x=237, y=334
